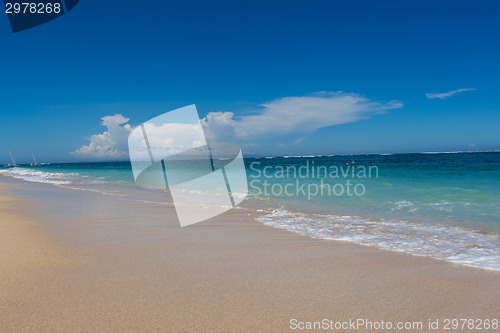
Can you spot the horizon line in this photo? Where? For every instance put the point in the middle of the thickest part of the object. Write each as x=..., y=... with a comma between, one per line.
x=290, y=156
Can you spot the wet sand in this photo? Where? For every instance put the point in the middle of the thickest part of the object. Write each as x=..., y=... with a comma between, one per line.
x=76, y=261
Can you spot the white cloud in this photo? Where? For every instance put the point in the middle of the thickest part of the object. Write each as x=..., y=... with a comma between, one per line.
x=448, y=94
x=296, y=116
x=287, y=119
x=165, y=140
x=112, y=143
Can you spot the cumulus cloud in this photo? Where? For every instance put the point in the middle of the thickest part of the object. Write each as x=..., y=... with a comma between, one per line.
x=165, y=140
x=296, y=116
x=112, y=143
x=287, y=119
x=447, y=94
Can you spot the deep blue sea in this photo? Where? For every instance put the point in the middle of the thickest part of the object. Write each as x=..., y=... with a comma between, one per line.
x=441, y=205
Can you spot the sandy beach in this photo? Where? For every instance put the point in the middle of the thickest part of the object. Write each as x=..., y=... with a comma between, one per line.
x=76, y=261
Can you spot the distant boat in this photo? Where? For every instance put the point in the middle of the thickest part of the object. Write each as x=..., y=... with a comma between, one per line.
x=13, y=161
x=34, y=159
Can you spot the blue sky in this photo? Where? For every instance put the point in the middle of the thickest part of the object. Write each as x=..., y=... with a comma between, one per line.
x=250, y=59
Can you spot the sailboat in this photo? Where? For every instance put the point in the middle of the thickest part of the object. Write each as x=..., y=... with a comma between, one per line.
x=13, y=161
x=34, y=159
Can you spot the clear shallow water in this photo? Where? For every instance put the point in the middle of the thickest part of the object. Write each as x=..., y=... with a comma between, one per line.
x=445, y=205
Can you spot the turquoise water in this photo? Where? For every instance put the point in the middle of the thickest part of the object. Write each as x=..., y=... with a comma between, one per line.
x=442, y=205
x=461, y=189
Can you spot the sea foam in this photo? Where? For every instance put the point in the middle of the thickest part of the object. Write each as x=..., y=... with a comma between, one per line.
x=454, y=244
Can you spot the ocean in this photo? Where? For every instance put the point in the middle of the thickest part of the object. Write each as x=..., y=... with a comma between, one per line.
x=441, y=205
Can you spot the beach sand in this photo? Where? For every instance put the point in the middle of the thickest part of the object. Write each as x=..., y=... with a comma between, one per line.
x=76, y=261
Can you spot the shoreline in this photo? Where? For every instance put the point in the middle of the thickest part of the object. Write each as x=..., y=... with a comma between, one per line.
x=452, y=230
x=125, y=266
